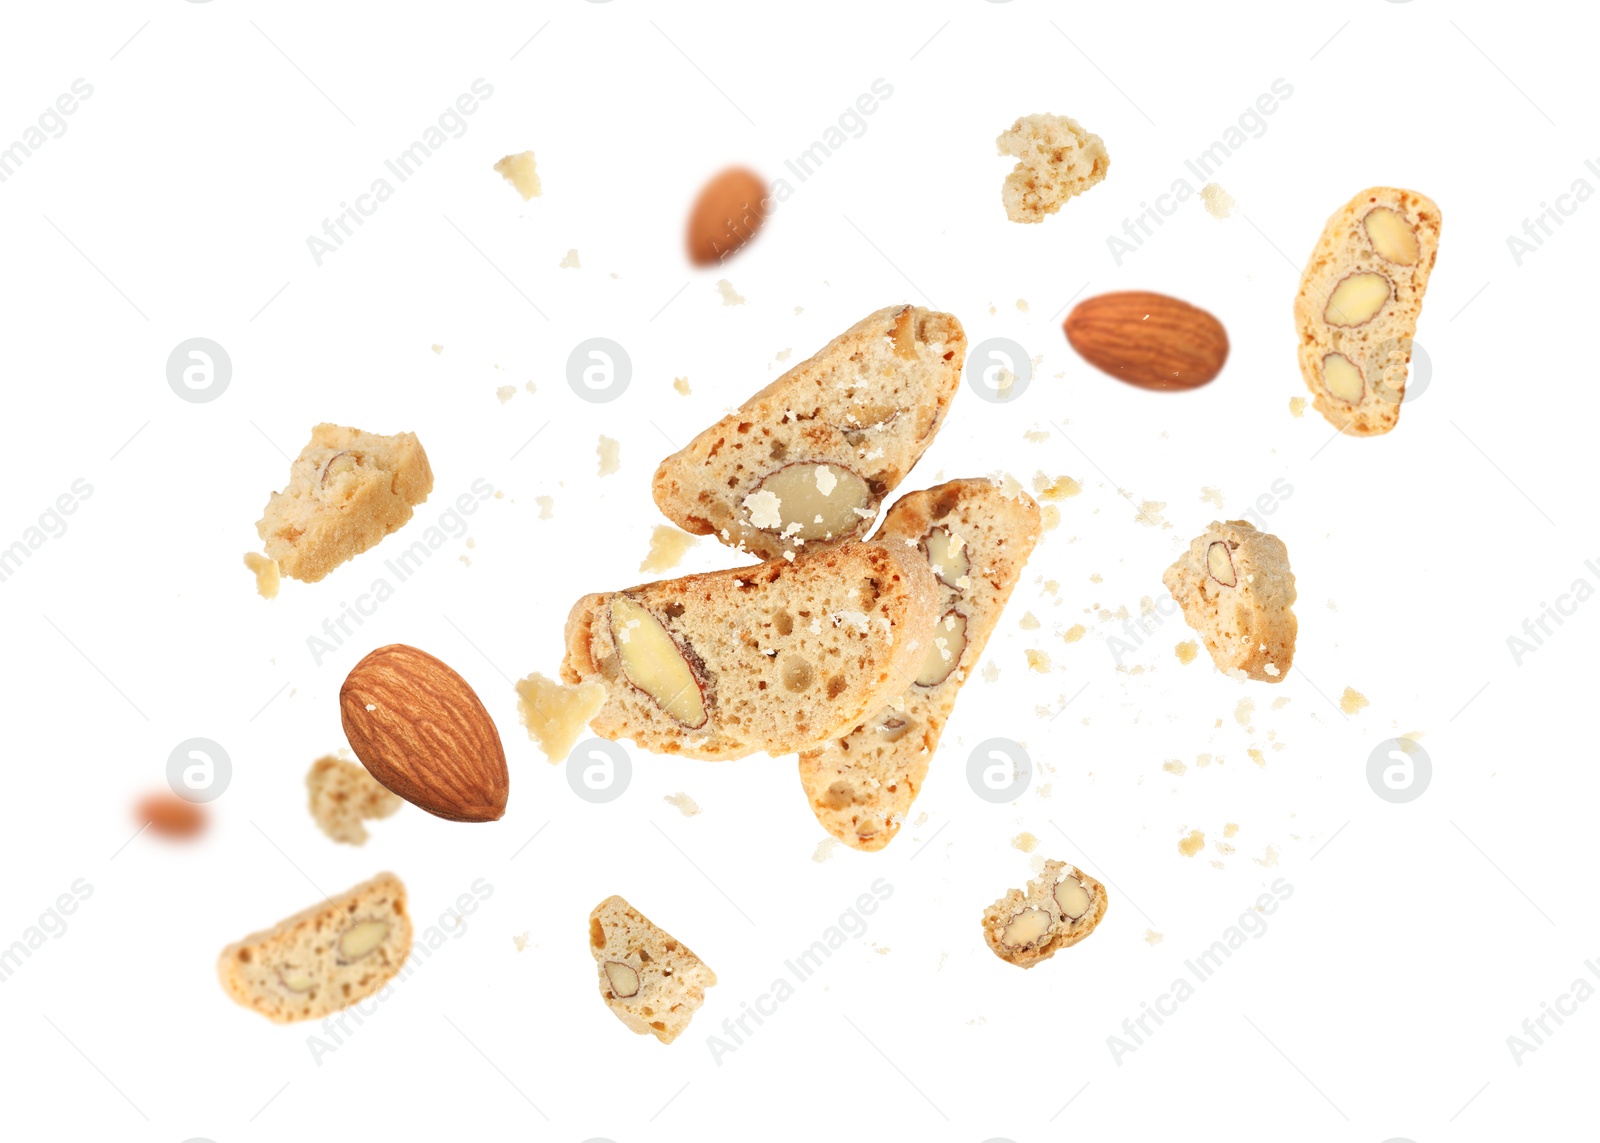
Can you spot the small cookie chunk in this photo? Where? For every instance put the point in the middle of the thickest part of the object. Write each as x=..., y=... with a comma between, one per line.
x=1236, y=590
x=555, y=714
x=522, y=172
x=342, y=795
x=1358, y=305
x=1060, y=908
x=329, y=957
x=1058, y=159
x=808, y=460
x=347, y=490
x=651, y=982
x=976, y=539
x=773, y=657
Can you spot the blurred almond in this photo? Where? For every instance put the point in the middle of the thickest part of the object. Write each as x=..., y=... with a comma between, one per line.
x=727, y=214
x=170, y=815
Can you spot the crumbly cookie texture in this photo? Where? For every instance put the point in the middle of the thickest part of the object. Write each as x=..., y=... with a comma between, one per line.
x=808, y=460
x=347, y=490
x=1056, y=160
x=650, y=981
x=522, y=172
x=334, y=954
x=555, y=714
x=1359, y=301
x=1236, y=590
x=1059, y=908
x=343, y=795
x=773, y=657
x=976, y=539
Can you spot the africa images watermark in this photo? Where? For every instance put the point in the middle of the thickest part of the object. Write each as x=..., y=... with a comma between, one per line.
x=51, y=923
x=802, y=967
x=1542, y=226
x=1250, y=924
x=1537, y=629
x=1536, y=1029
x=1251, y=124
x=50, y=525
x=51, y=124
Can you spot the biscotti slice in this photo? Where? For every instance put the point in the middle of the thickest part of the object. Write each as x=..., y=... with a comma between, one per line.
x=1061, y=907
x=1236, y=590
x=347, y=490
x=1358, y=305
x=977, y=539
x=651, y=982
x=809, y=459
x=343, y=794
x=1058, y=159
x=772, y=657
x=327, y=958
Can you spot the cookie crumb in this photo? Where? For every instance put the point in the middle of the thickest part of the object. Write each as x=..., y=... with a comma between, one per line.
x=1192, y=844
x=1352, y=701
x=1037, y=660
x=1211, y=495
x=505, y=393
x=1074, y=633
x=1297, y=406
x=1173, y=766
x=266, y=572
x=546, y=506
x=437, y=348
x=570, y=262
x=1186, y=651
x=1153, y=938
x=610, y=453
x=1219, y=203
x=520, y=940
x=685, y=804
x=667, y=548
x=1230, y=830
x=730, y=297
x=1028, y=622
x=681, y=384
x=1025, y=841
x=991, y=672
x=522, y=173
x=1242, y=712
x=824, y=850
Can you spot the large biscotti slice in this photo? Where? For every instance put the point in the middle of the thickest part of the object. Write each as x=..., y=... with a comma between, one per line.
x=772, y=657
x=1061, y=907
x=977, y=540
x=650, y=981
x=324, y=959
x=1358, y=305
x=347, y=490
x=1236, y=590
x=809, y=459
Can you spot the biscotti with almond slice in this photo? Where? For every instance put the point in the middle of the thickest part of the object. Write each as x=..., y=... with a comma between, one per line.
x=976, y=538
x=342, y=795
x=326, y=958
x=649, y=980
x=809, y=459
x=1359, y=301
x=1059, y=908
x=1236, y=590
x=771, y=657
x=347, y=490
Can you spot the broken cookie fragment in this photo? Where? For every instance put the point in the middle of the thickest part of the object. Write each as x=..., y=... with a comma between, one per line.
x=1059, y=908
x=650, y=981
x=1237, y=592
x=1057, y=159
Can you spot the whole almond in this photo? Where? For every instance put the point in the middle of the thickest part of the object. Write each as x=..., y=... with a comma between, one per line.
x=1149, y=340
x=421, y=731
x=170, y=815
x=727, y=214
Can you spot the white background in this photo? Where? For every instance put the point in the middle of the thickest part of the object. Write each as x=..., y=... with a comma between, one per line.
x=177, y=205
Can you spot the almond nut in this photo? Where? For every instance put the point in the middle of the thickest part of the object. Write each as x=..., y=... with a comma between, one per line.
x=729, y=211
x=811, y=501
x=1357, y=299
x=1026, y=928
x=624, y=980
x=944, y=656
x=947, y=555
x=654, y=663
x=1391, y=236
x=1072, y=897
x=360, y=939
x=171, y=816
x=1219, y=563
x=1149, y=340
x=422, y=732
x=1342, y=378
x=294, y=979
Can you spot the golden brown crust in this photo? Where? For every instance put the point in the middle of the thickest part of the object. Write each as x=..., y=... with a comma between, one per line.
x=1060, y=930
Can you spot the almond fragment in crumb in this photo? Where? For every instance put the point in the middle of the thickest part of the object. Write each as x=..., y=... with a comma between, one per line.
x=266, y=572
x=570, y=262
x=521, y=172
x=1074, y=633
x=610, y=453
x=1219, y=203
x=1352, y=701
x=681, y=384
x=1037, y=660
x=684, y=803
x=1153, y=938
x=1192, y=844
x=730, y=296
x=1186, y=651
x=1025, y=841
x=1297, y=406
x=667, y=548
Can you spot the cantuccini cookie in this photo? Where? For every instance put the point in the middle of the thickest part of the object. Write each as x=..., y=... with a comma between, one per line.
x=1236, y=590
x=808, y=460
x=976, y=539
x=1060, y=907
x=649, y=980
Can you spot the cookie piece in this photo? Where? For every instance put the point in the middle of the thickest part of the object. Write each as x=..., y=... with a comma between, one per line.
x=977, y=540
x=1236, y=590
x=1057, y=159
x=651, y=983
x=809, y=459
x=1358, y=305
x=342, y=795
x=773, y=657
x=347, y=490
x=556, y=715
x=1061, y=907
x=329, y=957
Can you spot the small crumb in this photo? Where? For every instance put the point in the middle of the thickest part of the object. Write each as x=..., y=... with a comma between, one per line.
x=546, y=506
x=1037, y=660
x=556, y=714
x=438, y=348
x=1025, y=841
x=1173, y=766
x=685, y=804
x=1269, y=858
x=1057, y=488
x=1202, y=760
x=667, y=548
x=1280, y=703
x=1256, y=756
x=782, y=354
x=1230, y=830
x=1219, y=203
x=1186, y=651
x=991, y=672
x=1028, y=622
x=1352, y=701
x=1153, y=938
x=1242, y=712
x=1074, y=633
x=992, y=310
x=505, y=393
x=1150, y=513
x=1036, y=436
x=520, y=940
x=1211, y=495
x=610, y=453
x=266, y=571
x=1022, y=305
x=1050, y=517
x=730, y=296
x=681, y=384
x=798, y=310
x=570, y=262
x=1297, y=406
x=521, y=172
x=922, y=819
x=1192, y=844
x=824, y=850
x=1046, y=789
x=530, y=387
